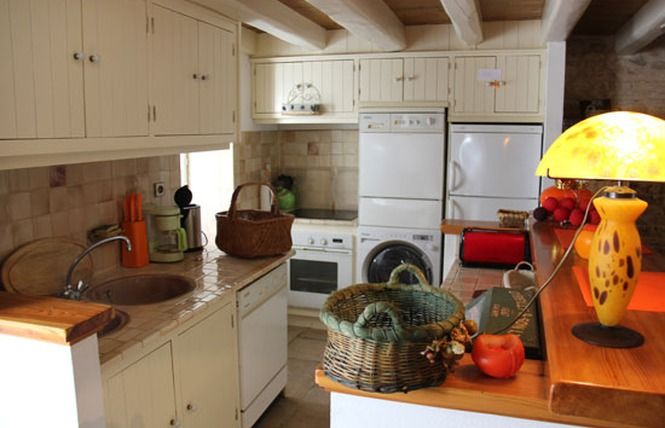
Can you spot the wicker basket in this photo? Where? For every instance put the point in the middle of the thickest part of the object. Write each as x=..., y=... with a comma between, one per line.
x=253, y=233
x=511, y=218
x=377, y=334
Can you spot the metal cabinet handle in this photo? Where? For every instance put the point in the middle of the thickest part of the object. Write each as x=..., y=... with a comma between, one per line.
x=190, y=407
x=195, y=76
x=399, y=78
x=78, y=56
x=174, y=423
x=411, y=77
x=204, y=77
x=94, y=59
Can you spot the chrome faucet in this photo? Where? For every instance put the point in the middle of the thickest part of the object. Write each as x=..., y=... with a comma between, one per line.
x=74, y=292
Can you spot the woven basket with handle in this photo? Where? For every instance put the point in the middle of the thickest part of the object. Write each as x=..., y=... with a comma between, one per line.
x=377, y=333
x=253, y=233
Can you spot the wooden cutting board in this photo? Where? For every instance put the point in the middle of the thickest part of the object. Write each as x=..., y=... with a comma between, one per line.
x=39, y=268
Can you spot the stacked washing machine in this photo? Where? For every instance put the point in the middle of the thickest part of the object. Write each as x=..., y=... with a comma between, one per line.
x=401, y=193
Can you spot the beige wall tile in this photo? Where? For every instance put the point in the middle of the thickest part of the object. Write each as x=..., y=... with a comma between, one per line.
x=42, y=227
x=6, y=239
x=19, y=206
x=22, y=232
x=75, y=197
x=39, y=178
x=19, y=180
x=60, y=223
x=4, y=182
x=58, y=199
x=39, y=202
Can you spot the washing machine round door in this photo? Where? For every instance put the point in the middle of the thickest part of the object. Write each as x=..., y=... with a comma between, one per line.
x=393, y=255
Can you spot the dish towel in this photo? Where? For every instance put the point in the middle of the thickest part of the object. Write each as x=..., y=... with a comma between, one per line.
x=649, y=294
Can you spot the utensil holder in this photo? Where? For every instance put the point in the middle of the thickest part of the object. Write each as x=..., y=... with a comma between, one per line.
x=138, y=235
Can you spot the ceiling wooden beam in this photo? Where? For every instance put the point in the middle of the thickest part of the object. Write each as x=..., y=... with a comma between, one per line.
x=643, y=28
x=465, y=17
x=370, y=20
x=560, y=17
x=274, y=18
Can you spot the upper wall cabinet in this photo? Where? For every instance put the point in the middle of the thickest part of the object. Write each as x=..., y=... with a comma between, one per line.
x=412, y=80
x=332, y=80
x=194, y=75
x=73, y=68
x=497, y=87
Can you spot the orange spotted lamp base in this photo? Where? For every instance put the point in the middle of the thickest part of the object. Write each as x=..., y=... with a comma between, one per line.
x=615, y=262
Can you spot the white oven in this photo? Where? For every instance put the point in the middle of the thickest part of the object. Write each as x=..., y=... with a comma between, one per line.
x=323, y=263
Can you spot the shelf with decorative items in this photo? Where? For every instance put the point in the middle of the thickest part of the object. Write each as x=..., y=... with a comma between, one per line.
x=304, y=100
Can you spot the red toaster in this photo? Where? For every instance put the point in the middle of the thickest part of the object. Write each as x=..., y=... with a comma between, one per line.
x=494, y=248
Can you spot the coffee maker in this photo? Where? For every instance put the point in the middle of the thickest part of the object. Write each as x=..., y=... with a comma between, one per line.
x=191, y=218
x=167, y=240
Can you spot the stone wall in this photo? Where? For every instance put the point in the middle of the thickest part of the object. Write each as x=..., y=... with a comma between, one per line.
x=632, y=82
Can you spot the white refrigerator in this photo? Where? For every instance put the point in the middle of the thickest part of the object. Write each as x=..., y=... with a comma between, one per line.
x=490, y=167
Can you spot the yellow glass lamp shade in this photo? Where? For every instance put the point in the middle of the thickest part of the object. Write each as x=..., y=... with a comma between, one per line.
x=612, y=146
x=618, y=146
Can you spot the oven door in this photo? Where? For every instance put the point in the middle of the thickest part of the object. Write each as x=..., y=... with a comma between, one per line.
x=315, y=273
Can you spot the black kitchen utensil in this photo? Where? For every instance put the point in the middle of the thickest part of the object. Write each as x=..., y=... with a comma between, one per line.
x=182, y=196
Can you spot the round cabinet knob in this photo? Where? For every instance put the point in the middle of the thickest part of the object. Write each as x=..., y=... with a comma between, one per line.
x=324, y=241
x=204, y=77
x=195, y=76
x=174, y=423
x=411, y=77
x=78, y=56
x=310, y=241
x=191, y=407
x=430, y=121
x=94, y=59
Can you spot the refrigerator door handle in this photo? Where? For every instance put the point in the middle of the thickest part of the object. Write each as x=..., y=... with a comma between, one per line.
x=454, y=167
x=455, y=206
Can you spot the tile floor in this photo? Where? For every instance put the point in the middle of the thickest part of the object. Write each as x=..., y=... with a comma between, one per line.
x=304, y=404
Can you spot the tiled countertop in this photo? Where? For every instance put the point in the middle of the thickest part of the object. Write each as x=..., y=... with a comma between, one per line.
x=463, y=282
x=218, y=277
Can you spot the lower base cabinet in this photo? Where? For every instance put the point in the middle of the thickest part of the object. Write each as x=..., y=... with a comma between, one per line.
x=190, y=381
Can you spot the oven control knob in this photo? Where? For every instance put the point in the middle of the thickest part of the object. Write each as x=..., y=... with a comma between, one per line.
x=310, y=241
x=430, y=121
x=324, y=241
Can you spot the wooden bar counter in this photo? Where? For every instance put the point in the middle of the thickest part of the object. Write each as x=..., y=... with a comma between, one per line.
x=578, y=383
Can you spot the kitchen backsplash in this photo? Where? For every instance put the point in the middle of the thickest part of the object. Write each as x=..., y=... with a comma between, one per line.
x=70, y=200
x=324, y=164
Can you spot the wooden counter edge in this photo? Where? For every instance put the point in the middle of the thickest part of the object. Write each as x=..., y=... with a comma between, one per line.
x=51, y=319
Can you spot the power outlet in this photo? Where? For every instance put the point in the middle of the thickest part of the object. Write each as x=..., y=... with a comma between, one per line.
x=159, y=189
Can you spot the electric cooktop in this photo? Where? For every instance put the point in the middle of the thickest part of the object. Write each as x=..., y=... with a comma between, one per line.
x=324, y=214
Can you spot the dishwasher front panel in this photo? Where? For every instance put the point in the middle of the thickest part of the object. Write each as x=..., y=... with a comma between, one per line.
x=263, y=336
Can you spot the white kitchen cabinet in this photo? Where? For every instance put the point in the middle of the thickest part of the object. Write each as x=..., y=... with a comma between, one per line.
x=410, y=80
x=143, y=395
x=207, y=372
x=194, y=75
x=189, y=381
x=55, y=52
x=516, y=91
x=334, y=80
x=381, y=80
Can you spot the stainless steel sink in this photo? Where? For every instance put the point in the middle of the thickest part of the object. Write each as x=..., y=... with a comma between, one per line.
x=140, y=289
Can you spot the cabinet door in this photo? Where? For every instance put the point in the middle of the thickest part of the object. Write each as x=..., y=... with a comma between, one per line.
x=207, y=372
x=381, y=80
x=41, y=84
x=218, y=80
x=272, y=84
x=116, y=68
x=334, y=81
x=426, y=79
x=473, y=95
x=143, y=395
x=174, y=79
x=520, y=91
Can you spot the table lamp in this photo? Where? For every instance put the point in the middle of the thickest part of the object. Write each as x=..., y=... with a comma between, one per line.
x=622, y=147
